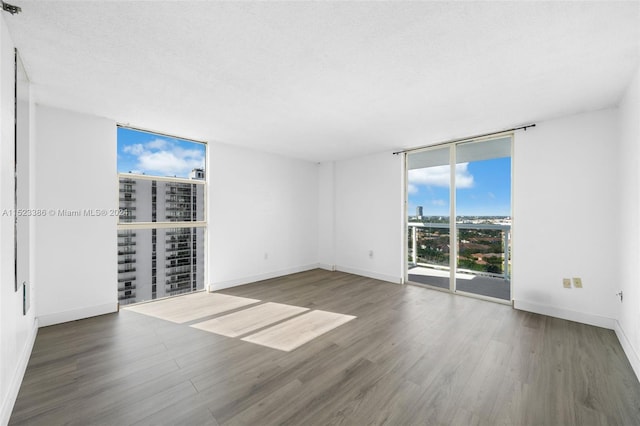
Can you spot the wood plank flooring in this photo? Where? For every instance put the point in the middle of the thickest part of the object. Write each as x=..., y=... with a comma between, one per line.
x=191, y=306
x=295, y=332
x=412, y=356
x=251, y=319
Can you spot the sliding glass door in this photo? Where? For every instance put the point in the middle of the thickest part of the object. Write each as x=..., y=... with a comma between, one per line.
x=483, y=218
x=470, y=182
x=429, y=217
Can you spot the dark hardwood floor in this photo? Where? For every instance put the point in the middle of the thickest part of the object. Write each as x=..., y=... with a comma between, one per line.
x=413, y=356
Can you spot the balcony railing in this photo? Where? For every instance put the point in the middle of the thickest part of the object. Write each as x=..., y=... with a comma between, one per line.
x=181, y=239
x=183, y=231
x=182, y=261
x=178, y=276
x=186, y=217
x=125, y=288
x=178, y=286
x=180, y=245
x=440, y=245
x=177, y=256
x=180, y=198
x=127, y=296
x=178, y=269
x=179, y=191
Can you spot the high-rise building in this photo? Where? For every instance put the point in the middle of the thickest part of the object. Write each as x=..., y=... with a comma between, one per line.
x=197, y=174
x=419, y=212
x=160, y=262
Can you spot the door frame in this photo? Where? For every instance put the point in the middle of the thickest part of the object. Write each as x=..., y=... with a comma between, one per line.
x=453, y=250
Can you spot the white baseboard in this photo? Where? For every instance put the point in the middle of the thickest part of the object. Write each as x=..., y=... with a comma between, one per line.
x=631, y=354
x=566, y=314
x=598, y=321
x=77, y=314
x=18, y=375
x=369, y=274
x=327, y=267
x=260, y=277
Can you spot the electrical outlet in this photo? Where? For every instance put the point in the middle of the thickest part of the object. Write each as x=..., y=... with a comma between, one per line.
x=577, y=282
x=566, y=283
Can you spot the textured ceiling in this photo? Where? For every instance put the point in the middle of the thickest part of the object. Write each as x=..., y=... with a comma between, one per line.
x=327, y=80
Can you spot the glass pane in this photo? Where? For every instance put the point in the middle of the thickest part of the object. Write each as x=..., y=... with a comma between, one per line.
x=152, y=154
x=156, y=263
x=159, y=200
x=161, y=179
x=483, y=217
x=428, y=188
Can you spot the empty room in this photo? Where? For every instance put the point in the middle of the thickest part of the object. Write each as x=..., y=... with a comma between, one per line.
x=311, y=213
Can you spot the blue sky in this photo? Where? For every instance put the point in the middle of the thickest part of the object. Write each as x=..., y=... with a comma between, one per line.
x=157, y=155
x=483, y=189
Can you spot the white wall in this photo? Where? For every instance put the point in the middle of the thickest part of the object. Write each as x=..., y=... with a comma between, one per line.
x=75, y=257
x=566, y=217
x=369, y=216
x=17, y=331
x=263, y=216
x=629, y=217
x=326, y=215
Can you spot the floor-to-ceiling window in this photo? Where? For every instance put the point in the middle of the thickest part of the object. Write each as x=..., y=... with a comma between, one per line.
x=459, y=217
x=162, y=219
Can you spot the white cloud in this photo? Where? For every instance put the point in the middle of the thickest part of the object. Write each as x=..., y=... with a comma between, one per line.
x=135, y=149
x=157, y=144
x=165, y=158
x=491, y=195
x=440, y=203
x=439, y=176
x=168, y=162
x=412, y=189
